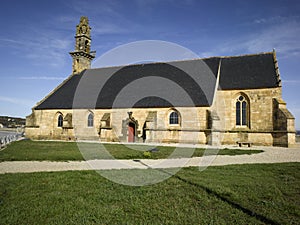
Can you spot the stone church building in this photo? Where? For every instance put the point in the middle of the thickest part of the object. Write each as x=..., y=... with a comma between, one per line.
x=216, y=100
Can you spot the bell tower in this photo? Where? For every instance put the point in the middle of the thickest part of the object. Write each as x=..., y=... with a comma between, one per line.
x=82, y=55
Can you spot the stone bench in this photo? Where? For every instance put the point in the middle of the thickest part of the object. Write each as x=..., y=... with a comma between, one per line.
x=241, y=143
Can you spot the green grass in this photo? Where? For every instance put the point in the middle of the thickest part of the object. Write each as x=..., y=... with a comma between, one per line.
x=40, y=150
x=65, y=151
x=236, y=194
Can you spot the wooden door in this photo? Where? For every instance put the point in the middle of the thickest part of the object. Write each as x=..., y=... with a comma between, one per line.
x=131, y=132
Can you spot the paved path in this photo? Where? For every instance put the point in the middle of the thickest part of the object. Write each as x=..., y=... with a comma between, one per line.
x=270, y=155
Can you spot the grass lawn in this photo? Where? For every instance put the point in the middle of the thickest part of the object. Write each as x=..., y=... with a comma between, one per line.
x=236, y=194
x=64, y=151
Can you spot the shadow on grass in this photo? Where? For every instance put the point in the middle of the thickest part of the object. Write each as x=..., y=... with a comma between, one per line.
x=218, y=196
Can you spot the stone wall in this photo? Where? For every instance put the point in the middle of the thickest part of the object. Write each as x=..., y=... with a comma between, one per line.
x=43, y=124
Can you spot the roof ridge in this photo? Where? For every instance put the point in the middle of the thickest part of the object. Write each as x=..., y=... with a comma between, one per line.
x=246, y=55
x=182, y=60
x=158, y=62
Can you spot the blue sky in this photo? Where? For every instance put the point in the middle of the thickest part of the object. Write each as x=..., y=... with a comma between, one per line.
x=37, y=36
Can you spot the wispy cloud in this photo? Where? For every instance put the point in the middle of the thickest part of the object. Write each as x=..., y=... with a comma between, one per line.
x=108, y=16
x=42, y=78
x=10, y=41
x=65, y=19
x=144, y=4
x=17, y=101
x=41, y=46
x=270, y=20
x=108, y=29
x=103, y=7
x=291, y=81
x=283, y=36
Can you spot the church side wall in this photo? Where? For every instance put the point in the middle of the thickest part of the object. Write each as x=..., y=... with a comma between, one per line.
x=203, y=125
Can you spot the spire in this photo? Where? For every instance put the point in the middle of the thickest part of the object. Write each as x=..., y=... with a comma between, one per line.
x=82, y=55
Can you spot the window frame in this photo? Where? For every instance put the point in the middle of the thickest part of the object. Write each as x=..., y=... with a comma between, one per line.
x=90, y=120
x=60, y=120
x=172, y=118
x=242, y=117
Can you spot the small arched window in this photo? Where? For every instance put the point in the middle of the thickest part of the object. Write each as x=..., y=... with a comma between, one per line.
x=60, y=121
x=173, y=118
x=90, y=120
x=241, y=111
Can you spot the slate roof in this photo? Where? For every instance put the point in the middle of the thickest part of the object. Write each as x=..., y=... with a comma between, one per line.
x=178, y=83
x=248, y=72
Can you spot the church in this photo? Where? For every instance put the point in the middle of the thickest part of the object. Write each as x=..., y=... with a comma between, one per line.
x=215, y=101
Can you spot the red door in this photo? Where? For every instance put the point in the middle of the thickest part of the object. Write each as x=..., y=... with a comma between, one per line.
x=131, y=132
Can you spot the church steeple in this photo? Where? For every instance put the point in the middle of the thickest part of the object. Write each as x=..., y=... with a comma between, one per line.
x=82, y=55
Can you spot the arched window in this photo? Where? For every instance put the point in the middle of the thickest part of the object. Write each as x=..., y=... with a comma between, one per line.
x=241, y=111
x=173, y=118
x=60, y=121
x=90, y=120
